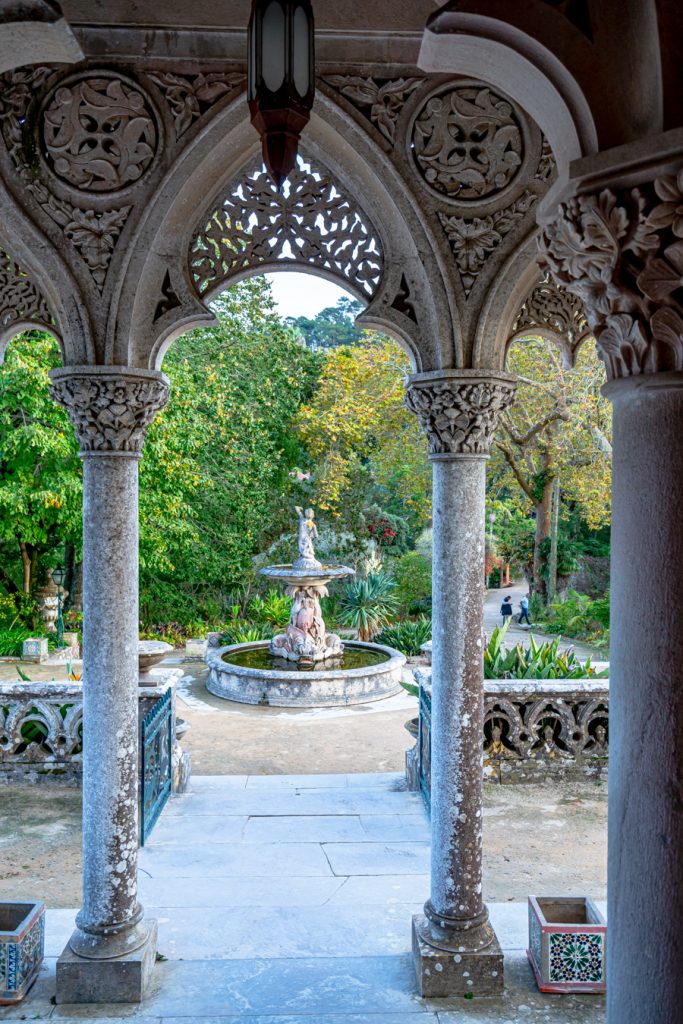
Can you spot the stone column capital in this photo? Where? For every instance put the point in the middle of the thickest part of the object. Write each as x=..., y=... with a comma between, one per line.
x=110, y=407
x=459, y=409
x=619, y=248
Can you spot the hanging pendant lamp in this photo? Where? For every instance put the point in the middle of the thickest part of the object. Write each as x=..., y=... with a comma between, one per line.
x=281, y=79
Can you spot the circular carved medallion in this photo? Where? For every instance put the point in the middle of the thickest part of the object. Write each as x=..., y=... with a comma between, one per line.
x=99, y=133
x=467, y=143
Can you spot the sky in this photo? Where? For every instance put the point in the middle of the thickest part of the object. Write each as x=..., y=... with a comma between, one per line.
x=303, y=294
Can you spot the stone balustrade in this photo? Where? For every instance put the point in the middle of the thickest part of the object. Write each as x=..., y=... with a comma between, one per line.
x=533, y=730
x=41, y=730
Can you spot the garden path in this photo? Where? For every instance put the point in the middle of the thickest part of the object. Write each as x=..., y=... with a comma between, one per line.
x=288, y=900
x=520, y=634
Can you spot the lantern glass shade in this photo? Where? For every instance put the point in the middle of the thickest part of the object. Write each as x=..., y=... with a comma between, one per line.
x=301, y=52
x=58, y=576
x=273, y=46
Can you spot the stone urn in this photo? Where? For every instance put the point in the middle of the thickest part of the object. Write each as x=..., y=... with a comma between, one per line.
x=150, y=653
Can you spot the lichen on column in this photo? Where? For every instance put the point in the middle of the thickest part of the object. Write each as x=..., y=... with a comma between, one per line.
x=111, y=409
x=458, y=411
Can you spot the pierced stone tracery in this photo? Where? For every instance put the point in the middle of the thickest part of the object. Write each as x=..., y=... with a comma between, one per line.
x=20, y=300
x=550, y=305
x=310, y=221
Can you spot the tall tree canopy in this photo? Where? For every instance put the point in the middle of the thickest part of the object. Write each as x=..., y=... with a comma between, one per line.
x=557, y=433
x=331, y=327
x=40, y=472
x=360, y=435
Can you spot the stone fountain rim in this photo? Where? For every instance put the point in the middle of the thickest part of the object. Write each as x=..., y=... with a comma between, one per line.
x=289, y=572
x=394, y=660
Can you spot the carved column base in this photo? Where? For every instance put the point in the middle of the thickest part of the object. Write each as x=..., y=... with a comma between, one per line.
x=459, y=970
x=124, y=979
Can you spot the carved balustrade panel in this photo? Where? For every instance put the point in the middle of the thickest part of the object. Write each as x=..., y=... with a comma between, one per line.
x=35, y=729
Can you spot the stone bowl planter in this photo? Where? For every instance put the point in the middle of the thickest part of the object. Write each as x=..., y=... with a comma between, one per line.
x=150, y=653
x=567, y=940
x=321, y=687
x=22, y=947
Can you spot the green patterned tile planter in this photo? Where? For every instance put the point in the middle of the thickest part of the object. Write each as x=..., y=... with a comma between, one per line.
x=22, y=946
x=567, y=938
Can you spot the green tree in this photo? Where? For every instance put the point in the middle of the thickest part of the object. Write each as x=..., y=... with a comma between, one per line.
x=555, y=441
x=331, y=327
x=215, y=478
x=40, y=472
x=364, y=445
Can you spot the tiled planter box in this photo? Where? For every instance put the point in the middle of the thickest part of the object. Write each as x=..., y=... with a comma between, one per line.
x=22, y=946
x=567, y=940
x=34, y=649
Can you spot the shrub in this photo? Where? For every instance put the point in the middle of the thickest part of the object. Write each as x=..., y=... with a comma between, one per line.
x=413, y=573
x=407, y=636
x=243, y=632
x=11, y=641
x=274, y=609
x=368, y=603
x=537, y=661
x=580, y=617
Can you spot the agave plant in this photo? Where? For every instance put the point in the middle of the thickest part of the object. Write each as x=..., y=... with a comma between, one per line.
x=368, y=603
x=407, y=636
x=242, y=632
x=537, y=661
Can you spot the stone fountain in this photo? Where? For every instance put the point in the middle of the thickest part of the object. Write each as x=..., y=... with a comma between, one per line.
x=306, y=638
x=305, y=666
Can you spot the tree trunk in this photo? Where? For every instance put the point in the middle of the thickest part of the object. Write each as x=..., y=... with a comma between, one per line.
x=27, y=566
x=544, y=513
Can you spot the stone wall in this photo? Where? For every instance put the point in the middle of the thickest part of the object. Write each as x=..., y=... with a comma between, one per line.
x=533, y=731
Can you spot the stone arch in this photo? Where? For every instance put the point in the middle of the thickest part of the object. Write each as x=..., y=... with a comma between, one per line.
x=559, y=65
x=390, y=264
x=554, y=314
x=23, y=307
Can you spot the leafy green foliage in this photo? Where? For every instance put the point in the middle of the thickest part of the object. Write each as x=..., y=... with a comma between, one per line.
x=537, y=661
x=413, y=575
x=367, y=603
x=242, y=632
x=580, y=617
x=40, y=472
x=273, y=609
x=331, y=327
x=407, y=636
x=11, y=641
x=217, y=463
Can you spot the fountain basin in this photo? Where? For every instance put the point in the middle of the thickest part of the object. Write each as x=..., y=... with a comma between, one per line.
x=376, y=673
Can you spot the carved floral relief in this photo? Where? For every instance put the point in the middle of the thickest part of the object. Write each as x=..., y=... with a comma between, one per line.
x=459, y=417
x=110, y=413
x=620, y=252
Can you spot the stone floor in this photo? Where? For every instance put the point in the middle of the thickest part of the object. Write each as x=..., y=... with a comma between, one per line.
x=287, y=900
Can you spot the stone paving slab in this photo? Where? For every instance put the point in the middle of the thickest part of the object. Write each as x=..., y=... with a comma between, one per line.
x=394, y=858
x=229, y=860
x=265, y=933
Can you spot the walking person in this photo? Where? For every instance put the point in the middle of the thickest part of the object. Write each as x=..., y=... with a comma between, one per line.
x=524, y=610
x=506, y=609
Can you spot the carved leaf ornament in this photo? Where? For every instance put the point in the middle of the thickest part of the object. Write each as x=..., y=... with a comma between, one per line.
x=382, y=100
x=110, y=413
x=621, y=253
x=309, y=221
x=99, y=134
x=550, y=305
x=467, y=143
x=459, y=417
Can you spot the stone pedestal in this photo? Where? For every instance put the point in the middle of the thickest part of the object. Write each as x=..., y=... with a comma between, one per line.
x=458, y=410
x=123, y=979
x=443, y=972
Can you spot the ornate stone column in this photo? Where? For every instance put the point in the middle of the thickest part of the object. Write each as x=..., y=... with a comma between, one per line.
x=455, y=948
x=621, y=251
x=110, y=954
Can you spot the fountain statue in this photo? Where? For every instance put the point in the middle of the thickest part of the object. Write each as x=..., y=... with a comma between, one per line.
x=305, y=666
x=306, y=638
